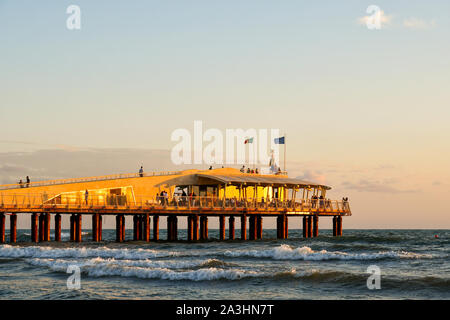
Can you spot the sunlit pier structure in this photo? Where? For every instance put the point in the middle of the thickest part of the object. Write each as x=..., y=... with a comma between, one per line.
x=197, y=195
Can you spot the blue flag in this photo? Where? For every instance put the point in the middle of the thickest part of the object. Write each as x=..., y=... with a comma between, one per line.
x=279, y=140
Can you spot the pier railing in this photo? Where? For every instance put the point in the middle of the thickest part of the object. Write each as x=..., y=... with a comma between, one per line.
x=87, y=179
x=24, y=202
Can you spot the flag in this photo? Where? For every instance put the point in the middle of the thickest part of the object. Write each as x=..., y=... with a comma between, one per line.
x=249, y=140
x=279, y=140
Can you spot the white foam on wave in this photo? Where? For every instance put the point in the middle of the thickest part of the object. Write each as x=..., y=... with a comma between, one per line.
x=8, y=251
x=286, y=252
x=104, y=268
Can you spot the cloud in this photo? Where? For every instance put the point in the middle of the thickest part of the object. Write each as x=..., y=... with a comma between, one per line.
x=312, y=176
x=364, y=185
x=418, y=24
x=383, y=18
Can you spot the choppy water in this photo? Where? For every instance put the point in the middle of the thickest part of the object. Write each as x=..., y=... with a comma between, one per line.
x=414, y=265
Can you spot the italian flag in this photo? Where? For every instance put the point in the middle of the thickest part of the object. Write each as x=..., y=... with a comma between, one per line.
x=249, y=140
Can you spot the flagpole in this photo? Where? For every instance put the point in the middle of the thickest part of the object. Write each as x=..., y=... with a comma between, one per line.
x=285, y=152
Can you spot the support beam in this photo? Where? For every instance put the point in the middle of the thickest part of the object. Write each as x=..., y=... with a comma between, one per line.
x=315, y=226
x=281, y=226
x=231, y=228
x=2, y=227
x=334, y=226
x=243, y=227
x=122, y=216
x=34, y=227
x=136, y=227
x=156, y=228
x=175, y=228
x=57, y=227
x=13, y=228
x=203, y=228
x=286, y=227
x=169, y=228
x=252, y=227
x=190, y=227
x=222, y=227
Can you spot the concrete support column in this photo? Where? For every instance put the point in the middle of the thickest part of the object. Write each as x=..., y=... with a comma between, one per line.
x=243, y=227
x=34, y=227
x=286, y=227
x=136, y=227
x=2, y=227
x=310, y=227
x=305, y=227
x=339, y=226
x=100, y=228
x=315, y=226
x=281, y=227
x=41, y=227
x=156, y=228
x=334, y=226
x=78, y=227
x=57, y=227
x=72, y=227
x=252, y=227
x=47, y=220
x=174, y=228
x=119, y=237
x=146, y=227
x=231, y=228
x=222, y=227
x=259, y=227
x=190, y=227
x=13, y=228
x=169, y=228
x=195, y=230
x=203, y=228
x=122, y=216
x=95, y=227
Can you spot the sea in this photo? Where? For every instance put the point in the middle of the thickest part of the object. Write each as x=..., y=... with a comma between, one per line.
x=362, y=264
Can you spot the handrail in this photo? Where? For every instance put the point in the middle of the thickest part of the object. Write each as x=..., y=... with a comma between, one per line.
x=86, y=179
x=176, y=202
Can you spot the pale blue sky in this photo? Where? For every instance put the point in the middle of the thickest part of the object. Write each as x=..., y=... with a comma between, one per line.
x=351, y=100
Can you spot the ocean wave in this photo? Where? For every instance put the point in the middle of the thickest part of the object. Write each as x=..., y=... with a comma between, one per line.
x=8, y=251
x=286, y=252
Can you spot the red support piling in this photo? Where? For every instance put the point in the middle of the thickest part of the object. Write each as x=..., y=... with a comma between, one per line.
x=2, y=227
x=78, y=227
x=252, y=227
x=316, y=226
x=203, y=228
x=334, y=226
x=190, y=225
x=310, y=226
x=195, y=227
x=72, y=227
x=222, y=227
x=13, y=228
x=146, y=224
x=243, y=227
x=34, y=227
x=95, y=227
x=286, y=227
x=281, y=227
x=339, y=226
x=259, y=227
x=231, y=228
x=41, y=228
x=57, y=227
x=119, y=237
x=136, y=227
x=47, y=221
x=156, y=228
x=305, y=227
x=100, y=228
x=123, y=233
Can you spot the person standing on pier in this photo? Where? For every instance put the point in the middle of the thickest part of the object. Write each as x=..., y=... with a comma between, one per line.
x=86, y=196
x=21, y=183
x=141, y=171
x=28, y=181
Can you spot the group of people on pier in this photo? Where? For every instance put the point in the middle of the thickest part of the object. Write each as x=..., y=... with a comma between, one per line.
x=27, y=184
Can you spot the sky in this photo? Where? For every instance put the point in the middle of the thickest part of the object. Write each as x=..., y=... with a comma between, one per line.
x=365, y=111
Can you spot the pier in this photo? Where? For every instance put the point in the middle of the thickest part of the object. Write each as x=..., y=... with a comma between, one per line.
x=196, y=196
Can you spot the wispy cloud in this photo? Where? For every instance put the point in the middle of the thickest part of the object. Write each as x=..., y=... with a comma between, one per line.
x=418, y=24
x=365, y=185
